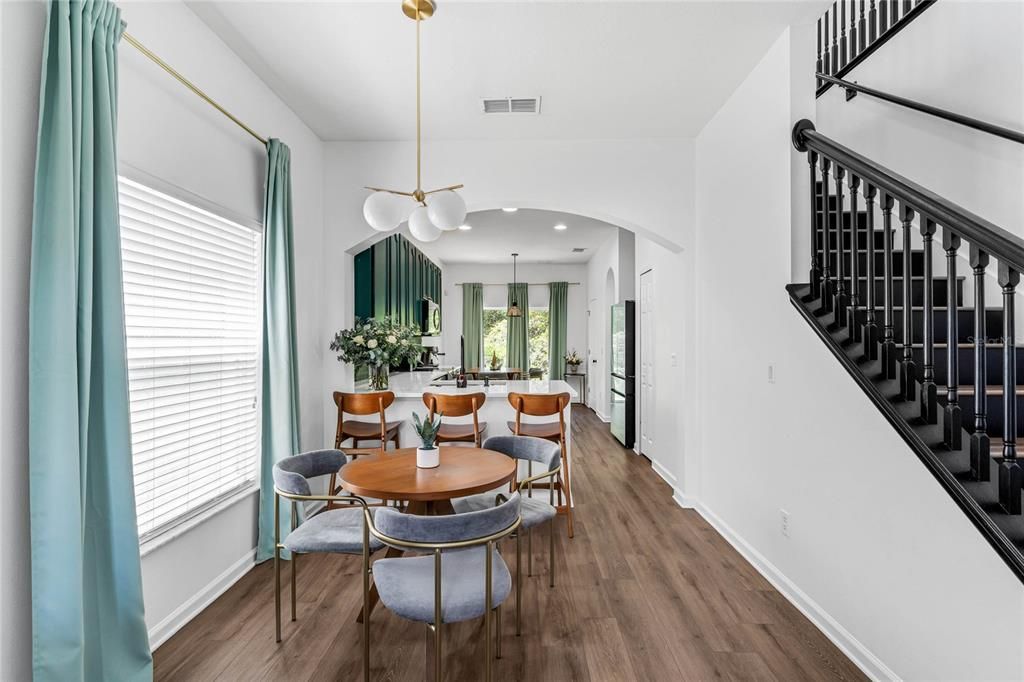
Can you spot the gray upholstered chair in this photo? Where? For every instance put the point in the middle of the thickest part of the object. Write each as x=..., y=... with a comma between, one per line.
x=341, y=531
x=463, y=577
x=535, y=511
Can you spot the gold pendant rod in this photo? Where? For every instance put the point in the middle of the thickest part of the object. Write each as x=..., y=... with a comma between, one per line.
x=419, y=186
x=128, y=38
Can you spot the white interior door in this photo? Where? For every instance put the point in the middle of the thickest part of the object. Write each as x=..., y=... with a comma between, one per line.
x=647, y=362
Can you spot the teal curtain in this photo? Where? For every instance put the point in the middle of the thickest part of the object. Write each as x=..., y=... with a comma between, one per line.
x=473, y=322
x=280, y=417
x=558, y=313
x=517, y=346
x=87, y=609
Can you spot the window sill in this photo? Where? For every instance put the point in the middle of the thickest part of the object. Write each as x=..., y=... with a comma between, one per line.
x=177, y=531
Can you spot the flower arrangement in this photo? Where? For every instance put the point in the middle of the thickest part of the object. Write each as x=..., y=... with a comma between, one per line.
x=573, y=359
x=378, y=344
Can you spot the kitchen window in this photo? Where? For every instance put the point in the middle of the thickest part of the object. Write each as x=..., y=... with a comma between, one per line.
x=192, y=303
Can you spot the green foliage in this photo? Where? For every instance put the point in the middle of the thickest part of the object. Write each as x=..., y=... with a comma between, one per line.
x=378, y=343
x=496, y=334
x=426, y=429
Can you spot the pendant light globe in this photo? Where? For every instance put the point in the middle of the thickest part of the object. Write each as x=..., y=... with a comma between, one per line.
x=420, y=226
x=447, y=210
x=384, y=211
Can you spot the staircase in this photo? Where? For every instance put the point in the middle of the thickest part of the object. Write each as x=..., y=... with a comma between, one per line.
x=940, y=368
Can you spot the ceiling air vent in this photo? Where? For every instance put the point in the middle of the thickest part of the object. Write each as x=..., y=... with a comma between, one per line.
x=511, y=105
x=578, y=249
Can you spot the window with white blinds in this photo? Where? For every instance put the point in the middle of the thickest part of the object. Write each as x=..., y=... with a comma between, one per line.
x=192, y=283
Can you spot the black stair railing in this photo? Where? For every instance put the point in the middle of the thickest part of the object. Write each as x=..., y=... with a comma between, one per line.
x=866, y=31
x=897, y=365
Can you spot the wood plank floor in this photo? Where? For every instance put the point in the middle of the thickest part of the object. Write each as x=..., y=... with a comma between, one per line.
x=646, y=591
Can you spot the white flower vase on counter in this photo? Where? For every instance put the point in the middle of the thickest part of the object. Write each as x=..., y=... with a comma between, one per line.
x=428, y=458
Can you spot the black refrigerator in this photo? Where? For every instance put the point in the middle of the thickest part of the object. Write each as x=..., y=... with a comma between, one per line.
x=623, y=372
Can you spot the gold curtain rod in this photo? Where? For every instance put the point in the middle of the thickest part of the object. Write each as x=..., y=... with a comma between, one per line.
x=128, y=38
x=502, y=284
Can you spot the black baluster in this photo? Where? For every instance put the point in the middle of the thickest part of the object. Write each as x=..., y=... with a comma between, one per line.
x=853, y=31
x=907, y=4
x=841, y=296
x=1011, y=474
x=842, y=35
x=872, y=23
x=827, y=288
x=908, y=371
x=980, y=444
x=862, y=30
x=827, y=58
x=818, y=64
x=870, y=324
x=815, y=276
x=851, y=316
x=929, y=399
x=835, y=39
x=951, y=421
x=888, y=331
x=883, y=16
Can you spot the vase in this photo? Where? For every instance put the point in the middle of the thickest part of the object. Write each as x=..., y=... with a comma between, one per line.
x=379, y=376
x=428, y=459
x=572, y=366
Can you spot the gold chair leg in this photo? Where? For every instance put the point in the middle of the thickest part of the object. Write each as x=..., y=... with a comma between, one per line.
x=437, y=615
x=277, y=566
x=497, y=632
x=487, y=614
x=551, y=549
x=519, y=584
x=366, y=602
x=295, y=570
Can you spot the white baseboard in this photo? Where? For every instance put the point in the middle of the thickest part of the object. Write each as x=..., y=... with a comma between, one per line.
x=177, y=619
x=861, y=656
x=665, y=474
x=606, y=419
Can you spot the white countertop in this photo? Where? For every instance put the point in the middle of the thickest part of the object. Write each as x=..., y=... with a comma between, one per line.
x=415, y=384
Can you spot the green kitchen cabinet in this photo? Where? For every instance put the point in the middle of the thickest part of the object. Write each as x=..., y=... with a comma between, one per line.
x=392, y=278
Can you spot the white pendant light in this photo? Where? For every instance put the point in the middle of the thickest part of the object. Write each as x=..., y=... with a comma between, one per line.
x=447, y=210
x=385, y=209
x=384, y=212
x=421, y=227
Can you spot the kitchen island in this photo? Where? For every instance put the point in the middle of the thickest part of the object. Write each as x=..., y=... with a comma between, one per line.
x=496, y=411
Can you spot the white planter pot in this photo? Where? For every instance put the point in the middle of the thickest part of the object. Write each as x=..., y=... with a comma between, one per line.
x=428, y=459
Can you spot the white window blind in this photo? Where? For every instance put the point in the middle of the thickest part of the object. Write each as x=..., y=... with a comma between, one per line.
x=192, y=286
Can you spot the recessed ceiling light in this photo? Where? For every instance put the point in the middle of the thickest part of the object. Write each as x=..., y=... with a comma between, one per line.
x=465, y=227
x=561, y=226
x=510, y=210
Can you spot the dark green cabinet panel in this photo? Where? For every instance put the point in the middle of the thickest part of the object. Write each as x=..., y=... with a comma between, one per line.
x=392, y=278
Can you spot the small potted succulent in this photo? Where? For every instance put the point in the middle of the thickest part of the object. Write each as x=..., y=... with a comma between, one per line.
x=573, y=361
x=428, y=455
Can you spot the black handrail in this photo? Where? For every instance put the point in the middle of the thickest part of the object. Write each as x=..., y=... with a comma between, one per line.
x=1008, y=248
x=983, y=126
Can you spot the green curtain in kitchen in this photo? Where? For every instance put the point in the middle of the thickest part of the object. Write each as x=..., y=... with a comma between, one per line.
x=280, y=415
x=473, y=322
x=87, y=609
x=558, y=312
x=517, y=345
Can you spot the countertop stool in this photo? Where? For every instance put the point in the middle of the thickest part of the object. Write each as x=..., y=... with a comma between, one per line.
x=546, y=405
x=461, y=405
x=380, y=430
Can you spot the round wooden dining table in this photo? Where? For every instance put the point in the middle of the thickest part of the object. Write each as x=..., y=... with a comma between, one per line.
x=395, y=476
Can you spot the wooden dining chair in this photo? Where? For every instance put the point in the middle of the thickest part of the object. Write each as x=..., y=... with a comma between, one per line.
x=461, y=405
x=361, y=405
x=546, y=405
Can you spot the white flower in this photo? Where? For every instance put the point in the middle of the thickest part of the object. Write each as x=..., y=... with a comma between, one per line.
x=372, y=343
x=392, y=339
x=359, y=341
x=405, y=342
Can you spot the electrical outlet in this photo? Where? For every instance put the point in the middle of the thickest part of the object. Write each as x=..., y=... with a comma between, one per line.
x=771, y=374
x=784, y=518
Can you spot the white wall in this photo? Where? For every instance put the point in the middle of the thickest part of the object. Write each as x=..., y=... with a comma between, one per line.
x=602, y=293
x=536, y=274
x=168, y=133
x=877, y=560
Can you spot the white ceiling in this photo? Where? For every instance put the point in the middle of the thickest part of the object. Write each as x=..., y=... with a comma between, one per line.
x=604, y=69
x=528, y=232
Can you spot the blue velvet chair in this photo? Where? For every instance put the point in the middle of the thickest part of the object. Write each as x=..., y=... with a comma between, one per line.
x=463, y=577
x=535, y=511
x=339, y=531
